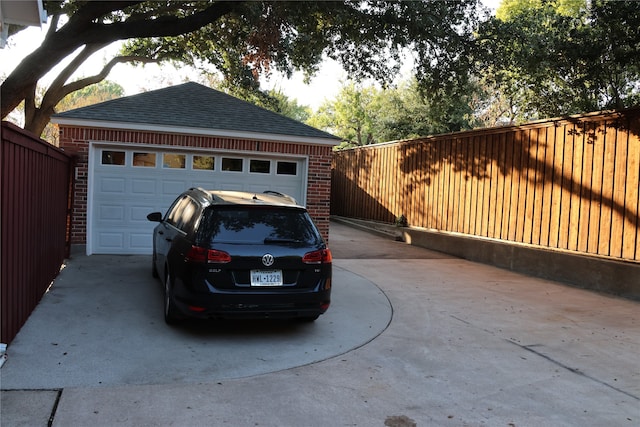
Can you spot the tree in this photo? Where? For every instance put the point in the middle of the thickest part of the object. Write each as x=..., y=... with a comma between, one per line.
x=93, y=94
x=551, y=58
x=89, y=95
x=245, y=39
x=367, y=115
x=280, y=103
x=349, y=116
x=274, y=100
x=510, y=9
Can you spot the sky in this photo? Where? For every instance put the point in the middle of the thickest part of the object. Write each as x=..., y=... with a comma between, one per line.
x=324, y=86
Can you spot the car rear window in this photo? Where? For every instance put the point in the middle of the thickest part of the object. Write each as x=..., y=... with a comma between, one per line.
x=258, y=225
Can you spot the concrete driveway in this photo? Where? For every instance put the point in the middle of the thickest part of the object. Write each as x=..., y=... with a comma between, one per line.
x=413, y=338
x=102, y=325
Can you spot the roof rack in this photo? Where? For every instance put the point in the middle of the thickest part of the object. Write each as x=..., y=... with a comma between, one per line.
x=221, y=196
x=204, y=193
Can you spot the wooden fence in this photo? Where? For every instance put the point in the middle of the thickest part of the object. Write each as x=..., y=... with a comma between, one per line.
x=569, y=184
x=35, y=188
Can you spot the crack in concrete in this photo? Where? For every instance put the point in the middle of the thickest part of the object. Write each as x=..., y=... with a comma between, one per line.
x=55, y=408
x=576, y=371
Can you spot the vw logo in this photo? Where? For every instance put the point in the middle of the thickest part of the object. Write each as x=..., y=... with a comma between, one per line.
x=267, y=260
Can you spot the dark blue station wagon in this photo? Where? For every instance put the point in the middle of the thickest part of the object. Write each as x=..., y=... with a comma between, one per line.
x=228, y=254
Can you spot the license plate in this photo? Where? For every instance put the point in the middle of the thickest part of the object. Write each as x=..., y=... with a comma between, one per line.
x=266, y=277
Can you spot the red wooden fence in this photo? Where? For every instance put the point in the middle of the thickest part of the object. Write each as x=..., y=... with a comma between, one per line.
x=570, y=184
x=35, y=188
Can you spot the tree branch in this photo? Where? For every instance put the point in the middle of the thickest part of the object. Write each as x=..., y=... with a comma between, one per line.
x=73, y=66
x=30, y=105
x=82, y=29
x=79, y=84
x=53, y=25
x=165, y=26
x=55, y=93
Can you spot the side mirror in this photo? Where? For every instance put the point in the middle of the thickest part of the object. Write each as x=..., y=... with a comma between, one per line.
x=155, y=217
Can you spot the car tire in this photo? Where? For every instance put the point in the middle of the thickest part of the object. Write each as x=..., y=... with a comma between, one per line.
x=169, y=306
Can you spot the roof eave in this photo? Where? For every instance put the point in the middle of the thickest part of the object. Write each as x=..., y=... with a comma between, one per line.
x=196, y=131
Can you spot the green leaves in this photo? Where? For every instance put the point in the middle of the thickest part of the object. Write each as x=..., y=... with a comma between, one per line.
x=367, y=38
x=368, y=115
x=540, y=58
x=246, y=40
x=553, y=58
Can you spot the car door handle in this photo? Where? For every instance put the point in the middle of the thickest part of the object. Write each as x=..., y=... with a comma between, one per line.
x=168, y=239
x=161, y=232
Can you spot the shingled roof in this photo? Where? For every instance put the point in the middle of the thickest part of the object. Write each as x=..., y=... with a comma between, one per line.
x=191, y=106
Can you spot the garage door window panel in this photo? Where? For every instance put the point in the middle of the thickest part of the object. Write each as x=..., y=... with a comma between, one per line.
x=203, y=163
x=287, y=168
x=144, y=160
x=230, y=164
x=174, y=161
x=110, y=157
x=259, y=166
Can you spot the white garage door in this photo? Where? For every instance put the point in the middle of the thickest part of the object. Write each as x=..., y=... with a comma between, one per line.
x=128, y=183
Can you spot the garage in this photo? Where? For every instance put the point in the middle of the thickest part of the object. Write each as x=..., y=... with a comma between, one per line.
x=128, y=183
x=135, y=154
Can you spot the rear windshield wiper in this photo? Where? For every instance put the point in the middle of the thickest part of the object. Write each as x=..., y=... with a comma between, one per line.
x=274, y=240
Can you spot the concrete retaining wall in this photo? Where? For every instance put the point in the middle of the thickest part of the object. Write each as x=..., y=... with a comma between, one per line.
x=594, y=273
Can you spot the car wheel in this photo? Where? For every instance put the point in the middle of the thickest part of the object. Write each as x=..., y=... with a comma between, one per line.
x=169, y=306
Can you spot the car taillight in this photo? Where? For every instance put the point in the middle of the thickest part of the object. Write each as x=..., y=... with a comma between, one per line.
x=198, y=254
x=322, y=256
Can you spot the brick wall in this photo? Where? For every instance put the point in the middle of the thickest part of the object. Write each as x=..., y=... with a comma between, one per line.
x=75, y=140
x=319, y=189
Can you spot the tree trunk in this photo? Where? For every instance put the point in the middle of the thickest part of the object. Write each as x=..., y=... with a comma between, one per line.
x=32, y=68
x=38, y=122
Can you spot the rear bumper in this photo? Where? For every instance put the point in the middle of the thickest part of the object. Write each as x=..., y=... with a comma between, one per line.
x=263, y=305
